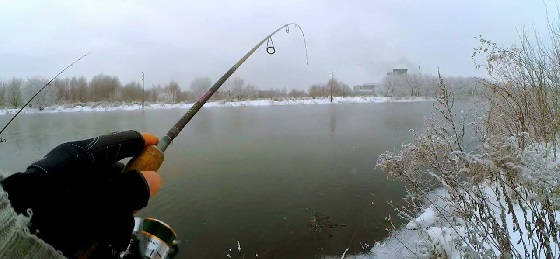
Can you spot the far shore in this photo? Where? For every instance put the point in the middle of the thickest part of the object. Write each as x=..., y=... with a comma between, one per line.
x=106, y=106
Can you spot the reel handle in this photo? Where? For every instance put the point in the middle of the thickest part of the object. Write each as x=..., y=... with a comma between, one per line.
x=150, y=159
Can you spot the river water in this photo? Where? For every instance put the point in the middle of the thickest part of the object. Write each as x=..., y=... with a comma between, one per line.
x=258, y=175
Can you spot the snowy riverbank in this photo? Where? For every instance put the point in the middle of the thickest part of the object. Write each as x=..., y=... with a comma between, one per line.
x=132, y=107
x=526, y=216
x=431, y=234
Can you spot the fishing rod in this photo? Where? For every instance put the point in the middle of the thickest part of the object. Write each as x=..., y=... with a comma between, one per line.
x=41, y=89
x=152, y=157
x=151, y=236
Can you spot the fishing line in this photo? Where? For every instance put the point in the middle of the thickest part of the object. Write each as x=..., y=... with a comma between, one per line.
x=304, y=41
x=40, y=90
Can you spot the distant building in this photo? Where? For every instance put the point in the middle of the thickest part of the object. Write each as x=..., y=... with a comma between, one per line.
x=398, y=71
x=368, y=88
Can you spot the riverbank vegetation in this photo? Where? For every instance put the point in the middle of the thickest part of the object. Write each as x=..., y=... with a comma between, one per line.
x=500, y=196
x=109, y=89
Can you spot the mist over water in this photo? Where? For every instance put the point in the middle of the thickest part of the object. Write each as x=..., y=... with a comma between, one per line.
x=256, y=175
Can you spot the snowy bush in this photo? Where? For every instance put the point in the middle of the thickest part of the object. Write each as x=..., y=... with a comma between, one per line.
x=500, y=199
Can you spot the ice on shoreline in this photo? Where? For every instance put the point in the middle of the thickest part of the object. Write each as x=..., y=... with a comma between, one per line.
x=156, y=106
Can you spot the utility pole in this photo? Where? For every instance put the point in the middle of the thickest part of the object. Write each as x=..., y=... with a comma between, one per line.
x=143, y=93
x=332, y=84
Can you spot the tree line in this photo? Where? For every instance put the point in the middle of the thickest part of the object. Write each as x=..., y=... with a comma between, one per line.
x=417, y=84
x=105, y=88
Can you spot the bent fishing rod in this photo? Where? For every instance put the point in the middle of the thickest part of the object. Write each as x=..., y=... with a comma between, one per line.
x=152, y=157
x=150, y=230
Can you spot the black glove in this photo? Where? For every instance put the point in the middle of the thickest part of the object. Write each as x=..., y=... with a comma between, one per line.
x=78, y=198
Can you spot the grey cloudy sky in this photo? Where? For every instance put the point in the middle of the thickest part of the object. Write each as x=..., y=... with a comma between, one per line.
x=179, y=40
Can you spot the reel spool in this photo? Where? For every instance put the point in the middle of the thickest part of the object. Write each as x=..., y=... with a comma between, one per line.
x=153, y=239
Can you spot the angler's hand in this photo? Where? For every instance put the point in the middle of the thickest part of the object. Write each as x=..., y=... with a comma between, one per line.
x=78, y=197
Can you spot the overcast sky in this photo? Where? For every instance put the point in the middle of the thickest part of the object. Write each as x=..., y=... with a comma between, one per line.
x=179, y=40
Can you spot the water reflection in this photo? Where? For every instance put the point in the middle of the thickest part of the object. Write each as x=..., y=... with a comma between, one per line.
x=254, y=174
x=332, y=119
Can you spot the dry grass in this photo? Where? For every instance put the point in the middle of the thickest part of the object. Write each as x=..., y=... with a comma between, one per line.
x=503, y=196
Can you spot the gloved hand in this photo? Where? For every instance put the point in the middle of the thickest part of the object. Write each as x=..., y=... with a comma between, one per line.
x=78, y=198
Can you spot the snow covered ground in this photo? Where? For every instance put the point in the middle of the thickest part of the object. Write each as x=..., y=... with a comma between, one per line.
x=428, y=233
x=418, y=237
x=132, y=107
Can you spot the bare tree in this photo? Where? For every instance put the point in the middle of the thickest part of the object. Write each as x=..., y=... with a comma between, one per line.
x=14, y=93
x=414, y=83
x=3, y=91
x=31, y=86
x=61, y=89
x=297, y=93
x=174, y=91
x=131, y=92
x=388, y=86
x=104, y=88
x=200, y=85
x=317, y=90
x=235, y=85
x=338, y=89
x=79, y=89
x=152, y=95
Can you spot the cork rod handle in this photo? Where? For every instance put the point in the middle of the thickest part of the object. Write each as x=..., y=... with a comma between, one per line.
x=150, y=159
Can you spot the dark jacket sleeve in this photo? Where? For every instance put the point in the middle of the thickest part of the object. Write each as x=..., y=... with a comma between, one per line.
x=16, y=241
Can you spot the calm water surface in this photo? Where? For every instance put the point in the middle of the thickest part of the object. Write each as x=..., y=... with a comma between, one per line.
x=255, y=175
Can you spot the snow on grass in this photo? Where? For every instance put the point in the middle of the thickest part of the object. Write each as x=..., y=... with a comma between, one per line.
x=427, y=218
x=413, y=240
x=157, y=106
x=428, y=236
